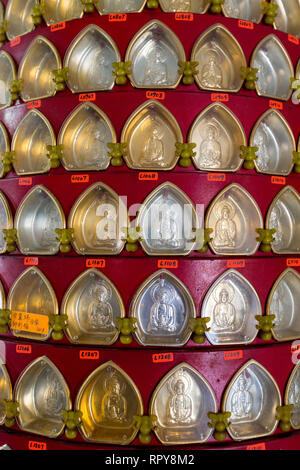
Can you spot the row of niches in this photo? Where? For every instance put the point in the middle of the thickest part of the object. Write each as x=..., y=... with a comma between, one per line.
x=151, y=139
x=162, y=312
x=167, y=223
x=155, y=59
x=182, y=410
x=22, y=16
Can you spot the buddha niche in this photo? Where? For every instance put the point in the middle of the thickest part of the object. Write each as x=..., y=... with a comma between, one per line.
x=225, y=230
x=180, y=405
x=156, y=72
x=162, y=312
x=224, y=313
x=114, y=404
x=100, y=313
x=153, y=147
x=242, y=400
x=210, y=148
x=211, y=73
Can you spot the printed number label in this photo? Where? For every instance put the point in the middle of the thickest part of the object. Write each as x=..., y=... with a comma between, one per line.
x=23, y=349
x=95, y=263
x=167, y=263
x=162, y=357
x=89, y=354
x=232, y=355
x=148, y=176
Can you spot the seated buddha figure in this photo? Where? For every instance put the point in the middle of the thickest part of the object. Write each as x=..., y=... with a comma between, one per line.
x=225, y=228
x=224, y=313
x=166, y=229
x=153, y=149
x=114, y=404
x=211, y=73
x=210, y=148
x=179, y=406
x=95, y=150
x=162, y=312
x=156, y=72
x=100, y=313
x=242, y=400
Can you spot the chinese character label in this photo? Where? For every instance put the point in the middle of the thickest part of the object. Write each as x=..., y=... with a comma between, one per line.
x=30, y=322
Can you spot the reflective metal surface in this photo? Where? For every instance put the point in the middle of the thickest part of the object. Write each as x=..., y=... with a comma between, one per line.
x=251, y=397
x=7, y=75
x=193, y=6
x=4, y=146
x=283, y=302
x=218, y=135
x=154, y=52
x=163, y=307
x=92, y=303
x=292, y=395
x=249, y=10
x=284, y=216
x=98, y=217
x=151, y=133
x=181, y=402
x=5, y=389
x=84, y=136
x=36, y=219
x=220, y=60
x=42, y=393
x=275, y=68
x=119, y=6
x=18, y=17
x=35, y=69
x=56, y=11
x=298, y=69
x=32, y=293
x=167, y=218
x=6, y=221
x=109, y=400
x=234, y=217
x=29, y=143
x=231, y=304
x=288, y=17
x=276, y=143
x=89, y=59
x=2, y=301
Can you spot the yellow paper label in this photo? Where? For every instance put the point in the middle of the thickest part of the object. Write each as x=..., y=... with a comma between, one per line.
x=30, y=322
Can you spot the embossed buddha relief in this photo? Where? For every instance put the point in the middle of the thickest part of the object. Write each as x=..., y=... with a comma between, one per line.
x=162, y=307
x=36, y=219
x=221, y=58
x=92, y=303
x=5, y=389
x=89, y=60
x=251, y=397
x=284, y=216
x=283, y=302
x=30, y=140
x=32, y=293
x=181, y=402
x=98, y=217
x=56, y=11
x=154, y=53
x=84, y=136
x=42, y=394
x=109, y=400
x=192, y=6
x=150, y=134
x=275, y=68
x=288, y=17
x=249, y=10
x=167, y=220
x=35, y=69
x=292, y=395
x=218, y=135
x=231, y=303
x=234, y=217
x=6, y=220
x=7, y=75
x=18, y=16
x=276, y=143
x=119, y=6
x=4, y=146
